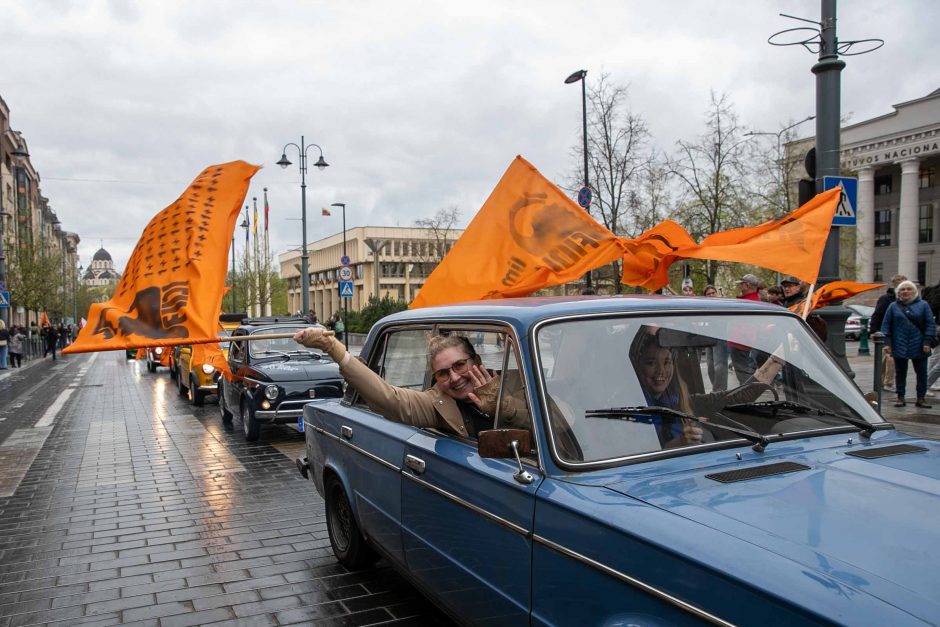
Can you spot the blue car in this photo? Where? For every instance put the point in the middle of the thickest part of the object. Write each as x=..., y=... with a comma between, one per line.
x=678, y=461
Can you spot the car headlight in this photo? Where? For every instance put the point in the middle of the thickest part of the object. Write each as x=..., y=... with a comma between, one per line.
x=158, y=351
x=208, y=368
x=271, y=392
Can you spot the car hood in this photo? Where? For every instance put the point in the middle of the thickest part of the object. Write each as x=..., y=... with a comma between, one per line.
x=869, y=523
x=298, y=370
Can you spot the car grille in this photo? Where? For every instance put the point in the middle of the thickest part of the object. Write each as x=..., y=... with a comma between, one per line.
x=887, y=451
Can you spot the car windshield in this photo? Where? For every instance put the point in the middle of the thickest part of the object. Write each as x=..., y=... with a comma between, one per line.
x=281, y=346
x=764, y=375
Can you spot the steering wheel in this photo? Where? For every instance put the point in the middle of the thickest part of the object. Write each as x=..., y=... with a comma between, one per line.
x=748, y=392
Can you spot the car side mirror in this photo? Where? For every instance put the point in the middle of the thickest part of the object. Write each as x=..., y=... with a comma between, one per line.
x=505, y=444
x=497, y=443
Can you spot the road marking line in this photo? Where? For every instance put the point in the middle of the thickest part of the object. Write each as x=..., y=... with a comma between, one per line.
x=49, y=417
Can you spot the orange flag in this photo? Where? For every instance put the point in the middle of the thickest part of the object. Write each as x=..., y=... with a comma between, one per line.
x=43, y=318
x=141, y=353
x=793, y=244
x=171, y=291
x=833, y=293
x=211, y=354
x=645, y=253
x=528, y=235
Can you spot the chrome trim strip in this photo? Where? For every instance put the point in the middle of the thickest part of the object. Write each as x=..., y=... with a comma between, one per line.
x=374, y=458
x=636, y=583
x=456, y=499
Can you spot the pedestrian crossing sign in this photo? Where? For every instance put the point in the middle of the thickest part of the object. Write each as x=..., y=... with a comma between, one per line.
x=4, y=299
x=846, y=211
x=346, y=289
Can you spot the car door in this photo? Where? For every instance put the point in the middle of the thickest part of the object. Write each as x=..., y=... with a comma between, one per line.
x=236, y=363
x=375, y=446
x=466, y=521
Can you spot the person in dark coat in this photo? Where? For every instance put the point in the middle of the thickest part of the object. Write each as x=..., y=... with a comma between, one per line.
x=908, y=328
x=51, y=337
x=877, y=318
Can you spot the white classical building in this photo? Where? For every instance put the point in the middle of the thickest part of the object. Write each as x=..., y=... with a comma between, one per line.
x=896, y=158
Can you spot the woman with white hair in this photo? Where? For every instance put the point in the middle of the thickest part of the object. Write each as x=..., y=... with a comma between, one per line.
x=908, y=328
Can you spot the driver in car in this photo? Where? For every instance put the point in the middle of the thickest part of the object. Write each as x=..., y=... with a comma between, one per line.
x=462, y=399
x=656, y=372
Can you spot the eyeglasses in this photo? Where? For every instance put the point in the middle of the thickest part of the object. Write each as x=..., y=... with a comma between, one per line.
x=459, y=367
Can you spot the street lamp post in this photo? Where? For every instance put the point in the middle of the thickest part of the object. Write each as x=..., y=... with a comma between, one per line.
x=574, y=78
x=345, y=300
x=321, y=164
x=234, y=273
x=784, y=169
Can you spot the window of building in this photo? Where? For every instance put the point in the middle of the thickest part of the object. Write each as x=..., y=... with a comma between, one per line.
x=397, y=248
x=928, y=178
x=922, y=272
x=925, y=224
x=883, y=184
x=879, y=271
x=883, y=227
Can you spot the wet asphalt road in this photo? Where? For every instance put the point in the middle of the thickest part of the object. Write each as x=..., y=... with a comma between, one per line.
x=121, y=503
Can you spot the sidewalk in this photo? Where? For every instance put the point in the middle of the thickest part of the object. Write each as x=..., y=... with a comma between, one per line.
x=864, y=368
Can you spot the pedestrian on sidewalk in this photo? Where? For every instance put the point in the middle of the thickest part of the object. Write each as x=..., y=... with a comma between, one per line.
x=4, y=339
x=908, y=328
x=16, y=347
x=51, y=336
x=874, y=325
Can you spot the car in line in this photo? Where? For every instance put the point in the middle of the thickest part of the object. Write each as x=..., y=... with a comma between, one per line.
x=799, y=504
x=195, y=381
x=272, y=379
x=159, y=356
x=853, y=324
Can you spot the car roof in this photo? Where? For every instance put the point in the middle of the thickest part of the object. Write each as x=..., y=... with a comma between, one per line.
x=532, y=309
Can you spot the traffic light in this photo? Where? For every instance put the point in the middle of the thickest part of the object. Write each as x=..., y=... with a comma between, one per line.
x=807, y=187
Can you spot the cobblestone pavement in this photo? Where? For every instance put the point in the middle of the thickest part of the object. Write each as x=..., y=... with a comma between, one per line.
x=122, y=504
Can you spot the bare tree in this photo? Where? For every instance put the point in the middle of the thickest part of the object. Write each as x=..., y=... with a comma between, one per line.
x=618, y=166
x=713, y=177
x=442, y=227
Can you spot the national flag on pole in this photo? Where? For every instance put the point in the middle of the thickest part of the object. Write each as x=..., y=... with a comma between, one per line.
x=171, y=290
x=256, y=220
x=247, y=223
x=326, y=212
x=266, y=209
x=528, y=235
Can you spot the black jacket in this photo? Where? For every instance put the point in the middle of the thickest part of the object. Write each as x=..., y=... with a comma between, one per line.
x=881, y=307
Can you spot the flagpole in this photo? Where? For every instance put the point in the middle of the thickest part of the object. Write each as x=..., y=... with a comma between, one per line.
x=257, y=260
x=267, y=255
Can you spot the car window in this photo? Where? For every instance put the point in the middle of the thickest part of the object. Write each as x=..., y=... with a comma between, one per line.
x=717, y=367
x=237, y=350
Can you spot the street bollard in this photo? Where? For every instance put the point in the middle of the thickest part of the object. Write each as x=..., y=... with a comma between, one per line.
x=863, y=338
x=879, y=340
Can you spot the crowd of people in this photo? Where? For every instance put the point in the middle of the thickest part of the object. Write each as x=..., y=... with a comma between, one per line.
x=14, y=341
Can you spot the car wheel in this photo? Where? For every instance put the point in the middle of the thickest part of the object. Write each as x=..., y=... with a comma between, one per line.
x=197, y=396
x=250, y=424
x=347, y=541
x=226, y=414
x=180, y=388
x=151, y=367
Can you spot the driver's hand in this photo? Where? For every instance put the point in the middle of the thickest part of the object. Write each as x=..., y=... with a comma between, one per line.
x=315, y=337
x=691, y=432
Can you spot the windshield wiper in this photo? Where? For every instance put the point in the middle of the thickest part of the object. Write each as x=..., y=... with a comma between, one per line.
x=626, y=413
x=865, y=428
x=310, y=354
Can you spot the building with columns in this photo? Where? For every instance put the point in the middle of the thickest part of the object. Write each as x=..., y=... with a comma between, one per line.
x=386, y=261
x=896, y=158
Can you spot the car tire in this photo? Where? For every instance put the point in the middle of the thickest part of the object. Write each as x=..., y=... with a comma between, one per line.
x=250, y=424
x=180, y=388
x=348, y=544
x=197, y=396
x=151, y=367
x=226, y=414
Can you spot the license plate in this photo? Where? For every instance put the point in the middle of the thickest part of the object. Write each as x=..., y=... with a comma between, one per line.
x=300, y=424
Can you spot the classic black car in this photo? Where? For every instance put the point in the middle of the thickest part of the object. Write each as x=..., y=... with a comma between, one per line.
x=273, y=379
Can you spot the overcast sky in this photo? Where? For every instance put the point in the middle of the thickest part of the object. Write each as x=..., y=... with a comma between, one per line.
x=417, y=105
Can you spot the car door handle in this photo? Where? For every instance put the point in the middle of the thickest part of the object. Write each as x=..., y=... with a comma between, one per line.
x=415, y=463
x=346, y=432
